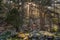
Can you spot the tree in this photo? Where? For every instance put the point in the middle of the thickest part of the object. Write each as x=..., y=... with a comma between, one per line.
x=14, y=18
x=0, y=5
x=0, y=1
x=2, y=11
x=46, y=2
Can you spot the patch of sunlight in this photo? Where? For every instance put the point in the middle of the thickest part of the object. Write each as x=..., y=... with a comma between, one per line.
x=55, y=28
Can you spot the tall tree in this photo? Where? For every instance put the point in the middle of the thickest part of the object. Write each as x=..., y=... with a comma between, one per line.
x=14, y=18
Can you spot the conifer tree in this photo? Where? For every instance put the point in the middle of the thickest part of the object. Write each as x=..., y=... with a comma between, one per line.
x=14, y=18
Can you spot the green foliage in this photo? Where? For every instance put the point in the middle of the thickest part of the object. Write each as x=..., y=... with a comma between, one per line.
x=55, y=20
x=45, y=2
x=13, y=0
x=13, y=17
x=55, y=28
x=0, y=1
x=5, y=35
